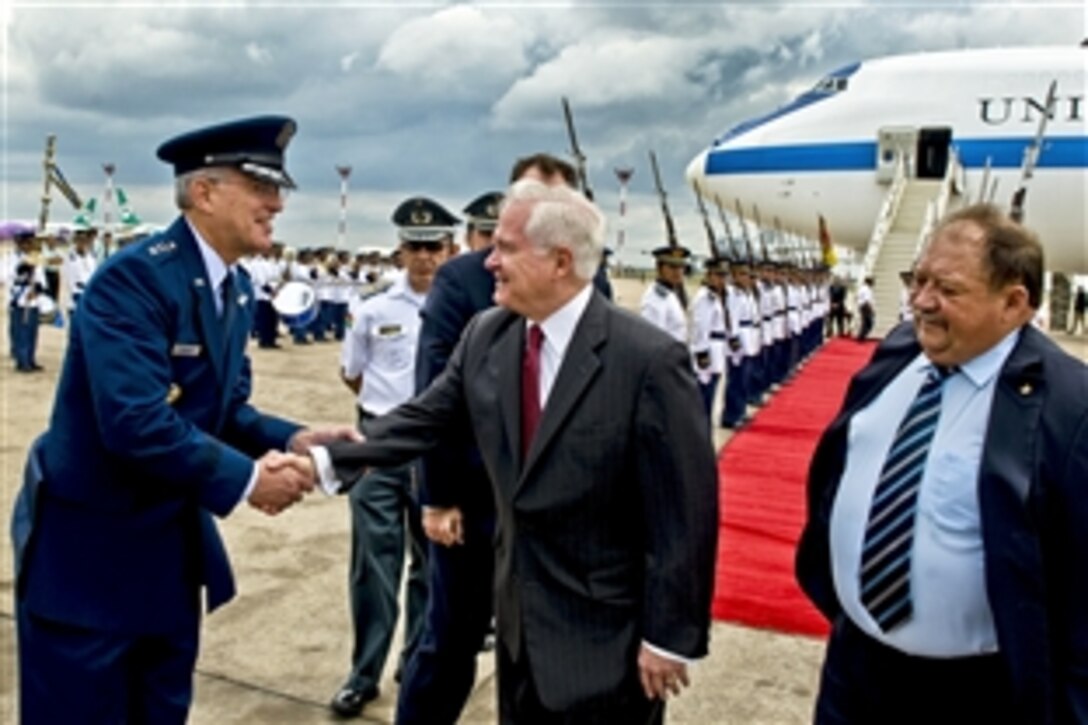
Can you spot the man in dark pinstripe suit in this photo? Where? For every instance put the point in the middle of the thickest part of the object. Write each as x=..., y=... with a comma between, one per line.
x=607, y=514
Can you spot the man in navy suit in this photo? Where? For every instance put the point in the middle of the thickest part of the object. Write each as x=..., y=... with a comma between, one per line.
x=948, y=551
x=151, y=435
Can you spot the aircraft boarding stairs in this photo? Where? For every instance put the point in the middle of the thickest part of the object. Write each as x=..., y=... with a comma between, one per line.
x=910, y=211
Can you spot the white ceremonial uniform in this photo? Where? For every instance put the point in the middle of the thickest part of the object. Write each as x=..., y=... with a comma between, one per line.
x=906, y=310
x=778, y=304
x=661, y=307
x=708, y=333
x=343, y=286
x=77, y=271
x=302, y=272
x=323, y=282
x=766, y=314
x=382, y=347
x=744, y=314
x=793, y=309
x=864, y=296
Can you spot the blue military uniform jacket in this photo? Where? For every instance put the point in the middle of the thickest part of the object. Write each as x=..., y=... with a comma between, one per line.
x=462, y=287
x=151, y=434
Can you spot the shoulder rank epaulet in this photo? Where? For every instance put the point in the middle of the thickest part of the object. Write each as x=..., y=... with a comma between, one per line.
x=661, y=290
x=163, y=247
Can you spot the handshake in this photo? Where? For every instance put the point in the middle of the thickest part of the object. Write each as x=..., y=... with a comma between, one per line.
x=284, y=478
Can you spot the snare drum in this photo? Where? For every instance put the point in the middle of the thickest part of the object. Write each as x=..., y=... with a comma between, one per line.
x=47, y=309
x=296, y=303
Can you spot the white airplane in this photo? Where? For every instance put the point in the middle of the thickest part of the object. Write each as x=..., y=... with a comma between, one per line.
x=834, y=149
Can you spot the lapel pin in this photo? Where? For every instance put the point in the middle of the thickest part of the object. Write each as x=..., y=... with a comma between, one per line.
x=173, y=395
x=242, y=299
x=1025, y=389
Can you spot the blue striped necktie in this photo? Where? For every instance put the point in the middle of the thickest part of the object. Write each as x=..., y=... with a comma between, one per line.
x=889, y=534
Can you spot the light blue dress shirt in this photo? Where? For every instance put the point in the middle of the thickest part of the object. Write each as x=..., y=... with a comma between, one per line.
x=952, y=616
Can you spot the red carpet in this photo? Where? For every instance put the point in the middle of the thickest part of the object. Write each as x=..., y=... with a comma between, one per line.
x=762, y=471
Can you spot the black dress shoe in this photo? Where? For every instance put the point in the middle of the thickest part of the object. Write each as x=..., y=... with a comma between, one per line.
x=350, y=700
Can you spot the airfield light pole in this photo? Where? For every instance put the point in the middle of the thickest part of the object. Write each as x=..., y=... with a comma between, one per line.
x=107, y=208
x=345, y=172
x=624, y=175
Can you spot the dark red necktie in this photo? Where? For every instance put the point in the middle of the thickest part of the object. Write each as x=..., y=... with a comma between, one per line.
x=530, y=387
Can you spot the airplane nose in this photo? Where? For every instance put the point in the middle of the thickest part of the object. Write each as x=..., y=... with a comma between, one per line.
x=696, y=173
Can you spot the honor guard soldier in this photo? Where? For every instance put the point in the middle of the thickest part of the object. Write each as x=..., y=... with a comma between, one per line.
x=151, y=437
x=744, y=345
x=79, y=265
x=660, y=304
x=302, y=270
x=27, y=286
x=267, y=278
x=708, y=331
x=483, y=217
x=343, y=286
x=379, y=362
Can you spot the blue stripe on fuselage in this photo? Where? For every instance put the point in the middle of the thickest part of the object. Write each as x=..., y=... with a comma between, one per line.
x=1065, y=152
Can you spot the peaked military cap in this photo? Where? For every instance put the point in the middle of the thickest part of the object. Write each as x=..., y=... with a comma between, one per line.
x=719, y=264
x=424, y=220
x=254, y=146
x=483, y=212
x=676, y=256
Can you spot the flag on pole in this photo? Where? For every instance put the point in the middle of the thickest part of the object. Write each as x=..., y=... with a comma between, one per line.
x=826, y=247
x=85, y=217
x=128, y=217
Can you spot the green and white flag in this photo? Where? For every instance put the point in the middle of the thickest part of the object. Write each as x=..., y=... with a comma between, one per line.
x=128, y=217
x=85, y=217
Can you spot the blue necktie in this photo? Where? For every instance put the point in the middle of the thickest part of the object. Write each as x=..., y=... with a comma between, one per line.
x=226, y=312
x=889, y=534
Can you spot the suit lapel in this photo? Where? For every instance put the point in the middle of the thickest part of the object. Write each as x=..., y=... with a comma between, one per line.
x=200, y=288
x=580, y=365
x=1014, y=417
x=209, y=322
x=1013, y=530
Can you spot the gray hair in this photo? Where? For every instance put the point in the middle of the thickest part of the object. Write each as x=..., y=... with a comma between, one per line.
x=561, y=217
x=182, y=197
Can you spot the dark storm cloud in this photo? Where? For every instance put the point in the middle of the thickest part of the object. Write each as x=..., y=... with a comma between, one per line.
x=440, y=99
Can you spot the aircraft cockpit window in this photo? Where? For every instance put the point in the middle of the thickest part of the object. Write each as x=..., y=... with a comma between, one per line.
x=831, y=84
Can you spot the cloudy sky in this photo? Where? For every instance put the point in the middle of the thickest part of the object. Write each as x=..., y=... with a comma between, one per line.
x=438, y=98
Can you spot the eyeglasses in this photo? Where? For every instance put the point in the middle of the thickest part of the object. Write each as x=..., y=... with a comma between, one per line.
x=258, y=187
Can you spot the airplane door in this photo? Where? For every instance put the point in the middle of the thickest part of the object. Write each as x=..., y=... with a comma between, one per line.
x=933, y=146
x=893, y=143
